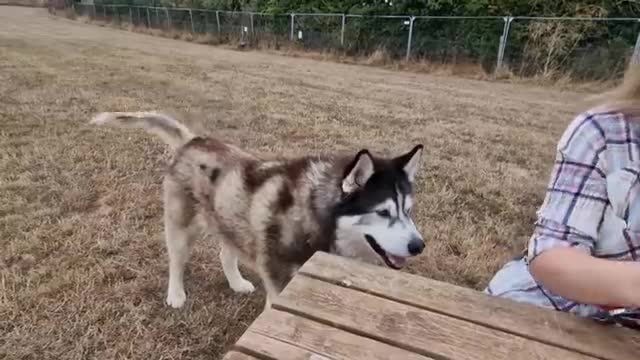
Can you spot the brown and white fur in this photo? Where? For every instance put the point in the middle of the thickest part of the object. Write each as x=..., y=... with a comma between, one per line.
x=273, y=214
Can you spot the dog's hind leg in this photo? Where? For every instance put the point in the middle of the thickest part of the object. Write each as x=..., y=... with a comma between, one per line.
x=178, y=217
x=229, y=260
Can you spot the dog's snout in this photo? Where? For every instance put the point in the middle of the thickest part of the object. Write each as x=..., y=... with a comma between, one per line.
x=416, y=245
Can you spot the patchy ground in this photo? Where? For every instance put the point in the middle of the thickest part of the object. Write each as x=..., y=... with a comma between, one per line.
x=82, y=259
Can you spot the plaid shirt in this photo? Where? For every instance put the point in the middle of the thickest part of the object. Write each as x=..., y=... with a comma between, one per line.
x=591, y=204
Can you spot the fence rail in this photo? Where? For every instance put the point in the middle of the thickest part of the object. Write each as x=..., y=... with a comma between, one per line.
x=579, y=47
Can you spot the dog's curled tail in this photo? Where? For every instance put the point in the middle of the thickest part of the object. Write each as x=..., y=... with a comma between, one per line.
x=164, y=126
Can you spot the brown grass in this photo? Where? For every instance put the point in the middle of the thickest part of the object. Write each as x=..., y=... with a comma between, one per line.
x=561, y=43
x=29, y=3
x=379, y=58
x=82, y=260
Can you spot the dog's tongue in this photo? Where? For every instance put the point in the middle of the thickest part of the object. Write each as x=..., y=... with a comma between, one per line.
x=398, y=261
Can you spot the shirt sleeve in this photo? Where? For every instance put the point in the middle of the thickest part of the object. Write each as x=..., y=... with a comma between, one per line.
x=576, y=197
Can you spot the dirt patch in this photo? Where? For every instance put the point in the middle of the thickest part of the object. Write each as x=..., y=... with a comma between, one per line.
x=83, y=266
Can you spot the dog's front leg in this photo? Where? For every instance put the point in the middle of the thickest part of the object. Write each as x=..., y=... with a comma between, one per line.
x=275, y=281
x=229, y=260
x=271, y=291
x=267, y=303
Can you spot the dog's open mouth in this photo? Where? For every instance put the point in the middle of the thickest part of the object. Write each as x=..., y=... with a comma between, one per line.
x=392, y=261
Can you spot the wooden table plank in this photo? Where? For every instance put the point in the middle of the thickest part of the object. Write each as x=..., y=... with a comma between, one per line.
x=266, y=347
x=322, y=339
x=234, y=355
x=559, y=329
x=400, y=325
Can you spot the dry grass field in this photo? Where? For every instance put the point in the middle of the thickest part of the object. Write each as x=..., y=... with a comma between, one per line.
x=82, y=258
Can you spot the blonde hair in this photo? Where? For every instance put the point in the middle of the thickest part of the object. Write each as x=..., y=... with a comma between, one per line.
x=626, y=96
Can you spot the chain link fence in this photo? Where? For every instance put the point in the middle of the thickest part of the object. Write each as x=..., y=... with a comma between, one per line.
x=586, y=49
x=579, y=48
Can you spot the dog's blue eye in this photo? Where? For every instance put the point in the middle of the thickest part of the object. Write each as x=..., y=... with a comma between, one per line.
x=384, y=213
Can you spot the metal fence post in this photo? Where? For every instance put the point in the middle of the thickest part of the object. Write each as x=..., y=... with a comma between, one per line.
x=130, y=16
x=218, y=21
x=342, y=30
x=104, y=12
x=166, y=11
x=251, y=18
x=503, y=41
x=635, y=58
x=193, y=28
x=410, y=38
x=158, y=18
x=139, y=16
x=148, y=18
x=116, y=10
x=293, y=19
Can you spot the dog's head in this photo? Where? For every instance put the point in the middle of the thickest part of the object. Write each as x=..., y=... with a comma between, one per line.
x=373, y=220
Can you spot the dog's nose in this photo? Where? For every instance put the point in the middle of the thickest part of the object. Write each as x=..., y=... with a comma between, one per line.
x=416, y=246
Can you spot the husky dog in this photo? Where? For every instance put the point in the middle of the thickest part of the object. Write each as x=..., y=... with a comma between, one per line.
x=273, y=214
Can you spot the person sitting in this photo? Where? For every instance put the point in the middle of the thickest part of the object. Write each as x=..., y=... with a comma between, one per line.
x=584, y=254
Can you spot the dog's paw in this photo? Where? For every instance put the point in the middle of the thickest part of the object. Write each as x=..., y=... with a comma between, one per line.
x=243, y=287
x=176, y=299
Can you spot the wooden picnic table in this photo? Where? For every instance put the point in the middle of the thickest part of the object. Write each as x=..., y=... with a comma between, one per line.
x=338, y=308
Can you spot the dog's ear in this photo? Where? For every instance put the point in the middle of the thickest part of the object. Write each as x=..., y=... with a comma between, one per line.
x=358, y=172
x=410, y=162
